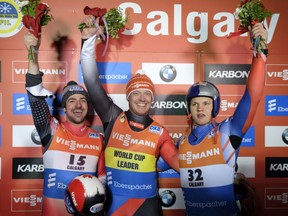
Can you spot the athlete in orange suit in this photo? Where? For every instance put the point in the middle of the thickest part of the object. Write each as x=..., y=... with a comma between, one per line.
x=70, y=148
x=134, y=141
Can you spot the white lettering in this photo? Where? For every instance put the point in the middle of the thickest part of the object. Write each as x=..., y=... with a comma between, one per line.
x=196, y=23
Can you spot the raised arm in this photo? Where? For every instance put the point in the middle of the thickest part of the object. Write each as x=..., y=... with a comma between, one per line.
x=37, y=93
x=247, y=106
x=103, y=105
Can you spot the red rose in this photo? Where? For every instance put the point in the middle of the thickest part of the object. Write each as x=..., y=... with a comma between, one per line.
x=243, y=2
x=97, y=12
x=29, y=23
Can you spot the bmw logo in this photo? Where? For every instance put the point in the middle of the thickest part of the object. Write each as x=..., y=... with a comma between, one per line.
x=285, y=136
x=168, y=73
x=168, y=198
x=35, y=137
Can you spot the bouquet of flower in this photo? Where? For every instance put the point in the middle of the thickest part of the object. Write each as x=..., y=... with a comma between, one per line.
x=114, y=20
x=248, y=13
x=35, y=15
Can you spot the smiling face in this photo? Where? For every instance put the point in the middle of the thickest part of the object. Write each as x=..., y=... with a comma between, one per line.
x=201, y=110
x=140, y=101
x=76, y=109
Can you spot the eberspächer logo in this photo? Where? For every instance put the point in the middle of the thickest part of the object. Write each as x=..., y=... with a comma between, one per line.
x=276, y=105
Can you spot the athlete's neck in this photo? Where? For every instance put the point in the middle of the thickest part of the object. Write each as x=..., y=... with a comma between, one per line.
x=136, y=122
x=77, y=130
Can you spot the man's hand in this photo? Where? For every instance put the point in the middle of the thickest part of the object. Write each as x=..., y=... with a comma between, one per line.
x=31, y=41
x=93, y=28
x=259, y=30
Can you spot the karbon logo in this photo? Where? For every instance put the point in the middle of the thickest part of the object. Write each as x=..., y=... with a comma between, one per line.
x=27, y=168
x=169, y=105
x=226, y=73
x=277, y=167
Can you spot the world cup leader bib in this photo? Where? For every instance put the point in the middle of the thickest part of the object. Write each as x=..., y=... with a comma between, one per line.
x=134, y=154
x=206, y=178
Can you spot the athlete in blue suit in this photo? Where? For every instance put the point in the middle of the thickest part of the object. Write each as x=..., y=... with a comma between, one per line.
x=208, y=151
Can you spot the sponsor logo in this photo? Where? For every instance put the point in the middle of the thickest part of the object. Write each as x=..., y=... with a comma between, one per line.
x=55, y=72
x=277, y=74
x=176, y=131
x=170, y=73
x=21, y=105
x=109, y=178
x=155, y=129
x=26, y=200
x=27, y=168
x=168, y=105
x=168, y=198
x=35, y=137
x=189, y=156
x=285, y=136
x=93, y=135
x=10, y=18
x=74, y=145
x=246, y=165
x=276, y=167
x=276, y=136
x=171, y=198
x=20, y=138
x=276, y=105
x=276, y=198
x=170, y=173
x=249, y=138
x=228, y=104
x=226, y=73
x=51, y=182
x=110, y=72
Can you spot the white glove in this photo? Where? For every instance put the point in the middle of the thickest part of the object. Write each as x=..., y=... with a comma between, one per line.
x=40, y=91
x=88, y=49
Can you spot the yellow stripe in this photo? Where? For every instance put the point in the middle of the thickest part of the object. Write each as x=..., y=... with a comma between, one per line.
x=128, y=160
